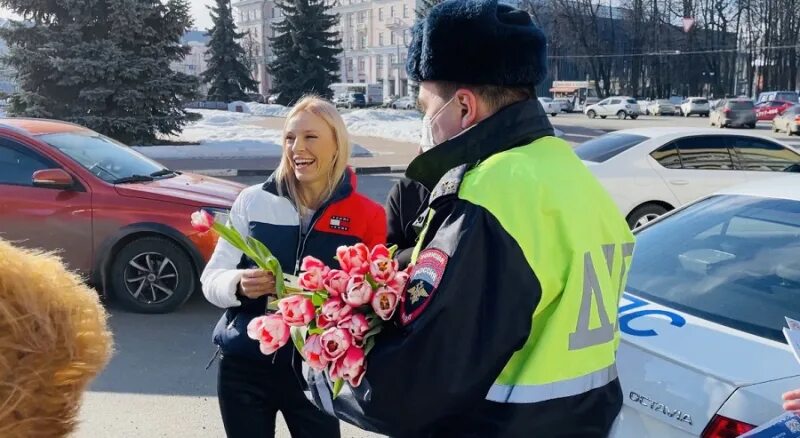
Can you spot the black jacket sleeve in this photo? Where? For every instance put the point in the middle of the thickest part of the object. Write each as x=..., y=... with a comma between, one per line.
x=445, y=360
x=407, y=200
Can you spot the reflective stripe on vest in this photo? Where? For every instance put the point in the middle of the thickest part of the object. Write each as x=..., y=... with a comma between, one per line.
x=548, y=391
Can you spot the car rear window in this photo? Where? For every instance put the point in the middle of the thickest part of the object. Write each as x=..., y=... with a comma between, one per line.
x=631, y=100
x=740, y=104
x=700, y=101
x=791, y=97
x=733, y=260
x=607, y=146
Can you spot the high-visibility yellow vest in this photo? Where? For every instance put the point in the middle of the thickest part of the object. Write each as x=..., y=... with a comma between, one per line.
x=579, y=246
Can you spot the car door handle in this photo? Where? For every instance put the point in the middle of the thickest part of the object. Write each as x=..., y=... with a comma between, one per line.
x=678, y=182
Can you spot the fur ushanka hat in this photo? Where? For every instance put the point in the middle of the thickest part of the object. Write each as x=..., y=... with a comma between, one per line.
x=477, y=42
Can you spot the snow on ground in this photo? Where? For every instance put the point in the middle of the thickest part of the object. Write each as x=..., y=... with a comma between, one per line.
x=226, y=135
x=390, y=124
x=260, y=109
x=221, y=134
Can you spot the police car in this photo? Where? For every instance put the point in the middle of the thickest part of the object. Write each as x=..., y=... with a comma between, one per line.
x=702, y=351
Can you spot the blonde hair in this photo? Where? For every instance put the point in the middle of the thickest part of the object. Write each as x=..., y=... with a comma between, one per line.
x=53, y=340
x=324, y=109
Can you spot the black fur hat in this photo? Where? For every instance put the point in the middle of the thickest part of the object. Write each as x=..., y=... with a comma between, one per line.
x=477, y=42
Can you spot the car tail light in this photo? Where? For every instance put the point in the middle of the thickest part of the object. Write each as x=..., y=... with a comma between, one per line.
x=724, y=427
x=726, y=110
x=797, y=118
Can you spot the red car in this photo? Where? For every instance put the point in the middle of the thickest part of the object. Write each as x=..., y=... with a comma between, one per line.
x=115, y=216
x=770, y=109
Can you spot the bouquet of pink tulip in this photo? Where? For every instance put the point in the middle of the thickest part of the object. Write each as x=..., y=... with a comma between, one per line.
x=335, y=317
x=331, y=315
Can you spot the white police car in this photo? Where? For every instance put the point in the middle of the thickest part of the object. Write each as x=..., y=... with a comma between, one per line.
x=702, y=352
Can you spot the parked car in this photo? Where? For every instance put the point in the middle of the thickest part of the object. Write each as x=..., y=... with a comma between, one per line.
x=404, y=103
x=661, y=107
x=788, y=121
x=768, y=110
x=351, y=100
x=734, y=112
x=115, y=216
x=695, y=105
x=620, y=106
x=677, y=101
x=549, y=106
x=653, y=170
x=566, y=104
x=702, y=352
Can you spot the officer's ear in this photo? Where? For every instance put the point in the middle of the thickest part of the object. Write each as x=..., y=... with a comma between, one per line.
x=470, y=106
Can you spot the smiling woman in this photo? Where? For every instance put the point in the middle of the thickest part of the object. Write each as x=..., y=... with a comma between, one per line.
x=308, y=207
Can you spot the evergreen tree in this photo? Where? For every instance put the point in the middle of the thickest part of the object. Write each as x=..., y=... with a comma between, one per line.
x=227, y=74
x=424, y=6
x=104, y=64
x=305, y=50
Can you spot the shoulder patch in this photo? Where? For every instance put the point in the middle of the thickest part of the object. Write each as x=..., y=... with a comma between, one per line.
x=424, y=281
x=450, y=183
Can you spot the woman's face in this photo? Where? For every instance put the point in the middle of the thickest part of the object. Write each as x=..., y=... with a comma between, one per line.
x=311, y=147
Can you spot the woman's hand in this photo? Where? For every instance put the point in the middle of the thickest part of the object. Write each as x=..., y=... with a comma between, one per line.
x=256, y=283
x=791, y=400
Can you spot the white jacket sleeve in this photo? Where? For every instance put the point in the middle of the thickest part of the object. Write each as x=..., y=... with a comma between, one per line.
x=220, y=278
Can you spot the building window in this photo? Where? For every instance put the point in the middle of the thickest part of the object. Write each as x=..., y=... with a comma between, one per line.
x=350, y=64
x=380, y=14
x=391, y=38
x=391, y=60
x=361, y=17
x=273, y=12
x=405, y=10
x=405, y=38
x=361, y=64
x=391, y=11
x=379, y=62
x=349, y=20
x=362, y=41
x=380, y=39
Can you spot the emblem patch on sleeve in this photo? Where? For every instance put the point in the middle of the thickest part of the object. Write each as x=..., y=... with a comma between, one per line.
x=425, y=279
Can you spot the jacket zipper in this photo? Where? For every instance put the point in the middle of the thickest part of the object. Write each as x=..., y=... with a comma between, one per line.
x=301, y=239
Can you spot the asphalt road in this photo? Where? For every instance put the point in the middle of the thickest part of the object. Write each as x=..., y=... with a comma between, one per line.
x=156, y=384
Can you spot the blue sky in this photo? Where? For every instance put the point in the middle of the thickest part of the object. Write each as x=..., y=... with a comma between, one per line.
x=199, y=12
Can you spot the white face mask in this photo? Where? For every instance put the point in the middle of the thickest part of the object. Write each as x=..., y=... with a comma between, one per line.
x=427, y=142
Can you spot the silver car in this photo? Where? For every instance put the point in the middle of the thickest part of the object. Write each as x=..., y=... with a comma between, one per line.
x=734, y=112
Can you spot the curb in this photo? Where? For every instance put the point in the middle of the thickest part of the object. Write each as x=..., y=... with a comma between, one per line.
x=363, y=170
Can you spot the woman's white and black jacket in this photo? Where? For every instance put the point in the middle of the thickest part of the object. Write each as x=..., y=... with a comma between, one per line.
x=259, y=211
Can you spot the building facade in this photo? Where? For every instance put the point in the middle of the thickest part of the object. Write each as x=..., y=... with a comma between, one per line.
x=375, y=35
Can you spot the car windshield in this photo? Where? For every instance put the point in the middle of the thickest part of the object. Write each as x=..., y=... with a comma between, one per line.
x=733, y=260
x=740, y=104
x=631, y=100
x=108, y=159
x=789, y=96
x=545, y=99
x=607, y=146
x=663, y=102
x=700, y=101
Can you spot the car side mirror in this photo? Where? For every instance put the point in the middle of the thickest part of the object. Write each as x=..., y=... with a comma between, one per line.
x=53, y=179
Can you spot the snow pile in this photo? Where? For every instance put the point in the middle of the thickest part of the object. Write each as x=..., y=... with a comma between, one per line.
x=221, y=134
x=225, y=135
x=390, y=124
x=260, y=109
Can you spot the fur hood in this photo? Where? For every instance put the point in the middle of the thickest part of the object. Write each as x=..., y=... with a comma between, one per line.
x=53, y=341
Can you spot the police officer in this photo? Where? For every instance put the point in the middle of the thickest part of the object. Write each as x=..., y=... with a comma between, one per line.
x=508, y=327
